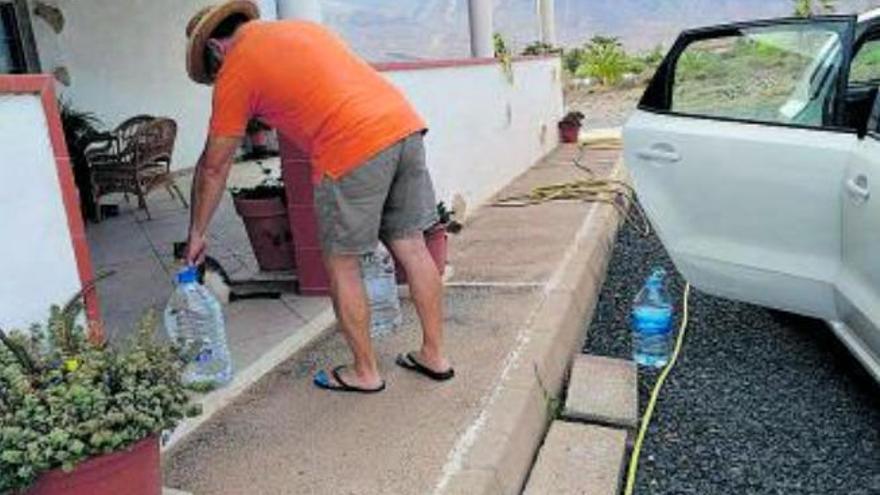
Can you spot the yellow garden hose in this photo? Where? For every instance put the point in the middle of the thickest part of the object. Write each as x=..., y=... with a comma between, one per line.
x=614, y=192
x=655, y=393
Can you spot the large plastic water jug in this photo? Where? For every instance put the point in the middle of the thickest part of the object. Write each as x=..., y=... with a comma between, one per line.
x=194, y=321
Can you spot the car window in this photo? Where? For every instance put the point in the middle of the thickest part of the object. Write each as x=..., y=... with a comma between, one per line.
x=780, y=74
x=866, y=64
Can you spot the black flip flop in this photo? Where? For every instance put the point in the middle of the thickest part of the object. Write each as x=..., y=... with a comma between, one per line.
x=407, y=361
x=321, y=381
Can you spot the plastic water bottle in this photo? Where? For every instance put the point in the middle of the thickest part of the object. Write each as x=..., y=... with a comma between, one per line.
x=377, y=271
x=652, y=322
x=194, y=320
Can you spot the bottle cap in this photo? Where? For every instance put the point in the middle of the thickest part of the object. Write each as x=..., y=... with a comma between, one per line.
x=188, y=275
x=657, y=276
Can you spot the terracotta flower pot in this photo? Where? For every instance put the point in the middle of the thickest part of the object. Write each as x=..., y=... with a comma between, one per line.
x=437, y=241
x=569, y=132
x=268, y=228
x=135, y=471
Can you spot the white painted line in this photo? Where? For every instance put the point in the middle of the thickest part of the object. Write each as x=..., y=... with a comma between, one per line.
x=498, y=285
x=215, y=401
x=455, y=459
x=573, y=248
x=448, y=273
x=172, y=491
x=583, y=234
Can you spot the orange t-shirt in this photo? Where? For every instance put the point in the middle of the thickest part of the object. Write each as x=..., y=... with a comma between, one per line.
x=301, y=79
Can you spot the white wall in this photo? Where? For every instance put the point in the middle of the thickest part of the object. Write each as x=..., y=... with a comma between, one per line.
x=128, y=57
x=37, y=261
x=484, y=130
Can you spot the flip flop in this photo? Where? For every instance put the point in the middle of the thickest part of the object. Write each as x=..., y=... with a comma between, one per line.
x=322, y=381
x=407, y=361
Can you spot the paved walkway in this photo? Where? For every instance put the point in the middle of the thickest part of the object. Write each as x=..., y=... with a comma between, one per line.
x=284, y=436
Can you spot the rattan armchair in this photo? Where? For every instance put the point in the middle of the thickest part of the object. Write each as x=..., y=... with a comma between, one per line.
x=134, y=159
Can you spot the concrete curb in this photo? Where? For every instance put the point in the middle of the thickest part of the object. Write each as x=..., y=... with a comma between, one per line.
x=495, y=455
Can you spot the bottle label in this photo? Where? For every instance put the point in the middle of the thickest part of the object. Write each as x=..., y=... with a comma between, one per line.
x=652, y=320
x=204, y=355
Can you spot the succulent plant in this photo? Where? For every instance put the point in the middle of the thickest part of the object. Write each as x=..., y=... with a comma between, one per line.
x=65, y=399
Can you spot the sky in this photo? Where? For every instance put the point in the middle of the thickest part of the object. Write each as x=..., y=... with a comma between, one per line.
x=424, y=29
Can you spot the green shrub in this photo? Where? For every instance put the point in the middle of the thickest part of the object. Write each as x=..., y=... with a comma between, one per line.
x=604, y=60
x=699, y=65
x=502, y=53
x=540, y=48
x=806, y=8
x=573, y=58
x=655, y=57
x=866, y=65
x=500, y=45
x=65, y=399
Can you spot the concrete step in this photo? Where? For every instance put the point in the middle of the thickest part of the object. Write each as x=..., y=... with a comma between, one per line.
x=579, y=459
x=603, y=390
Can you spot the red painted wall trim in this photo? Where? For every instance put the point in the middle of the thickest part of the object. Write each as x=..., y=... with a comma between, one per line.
x=42, y=85
x=450, y=63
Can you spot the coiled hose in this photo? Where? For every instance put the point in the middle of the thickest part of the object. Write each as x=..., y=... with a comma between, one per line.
x=614, y=192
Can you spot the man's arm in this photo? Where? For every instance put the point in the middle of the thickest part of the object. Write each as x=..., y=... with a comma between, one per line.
x=209, y=183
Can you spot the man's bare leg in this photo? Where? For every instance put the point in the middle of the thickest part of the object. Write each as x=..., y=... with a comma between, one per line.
x=353, y=313
x=426, y=289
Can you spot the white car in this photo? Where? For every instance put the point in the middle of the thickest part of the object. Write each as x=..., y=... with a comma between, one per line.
x=754, y=151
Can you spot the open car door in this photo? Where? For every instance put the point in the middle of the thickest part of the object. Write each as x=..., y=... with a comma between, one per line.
x=738, y=152
x=859, y=279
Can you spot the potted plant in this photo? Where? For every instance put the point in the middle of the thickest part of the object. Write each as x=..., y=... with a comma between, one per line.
x=79, y=129
x=80, y=416
x=263, y=209
x=570, y=127
x=257, y=140
x=436, y=239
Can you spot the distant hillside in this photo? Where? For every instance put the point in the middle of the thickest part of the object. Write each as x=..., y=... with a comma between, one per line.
x=415, y=29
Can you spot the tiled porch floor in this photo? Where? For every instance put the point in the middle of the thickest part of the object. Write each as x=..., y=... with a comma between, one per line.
x=140, y=253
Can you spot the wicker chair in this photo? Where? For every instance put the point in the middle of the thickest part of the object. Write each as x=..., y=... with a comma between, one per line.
x=135, y=159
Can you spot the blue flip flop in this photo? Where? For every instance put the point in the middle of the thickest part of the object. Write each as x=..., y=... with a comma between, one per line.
x=322, y=381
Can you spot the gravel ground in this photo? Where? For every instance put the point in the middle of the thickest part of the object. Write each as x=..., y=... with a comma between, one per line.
x=759, y=403
x=604, y=108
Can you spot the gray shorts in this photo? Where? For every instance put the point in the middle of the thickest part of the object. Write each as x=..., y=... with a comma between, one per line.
x=388, y=197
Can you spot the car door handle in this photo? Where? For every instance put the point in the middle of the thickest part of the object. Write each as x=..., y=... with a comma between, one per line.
x=664, y=154
x=858, y=188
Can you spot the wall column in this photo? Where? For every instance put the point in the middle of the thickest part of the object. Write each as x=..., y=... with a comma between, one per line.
x=300, y=9
x=547, y=24
x=480, y=17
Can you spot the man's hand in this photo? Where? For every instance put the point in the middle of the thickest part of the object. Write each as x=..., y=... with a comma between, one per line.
x=196, y=246
x=208, y=188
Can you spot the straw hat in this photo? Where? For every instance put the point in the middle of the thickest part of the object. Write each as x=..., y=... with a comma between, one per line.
x=200, y=27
